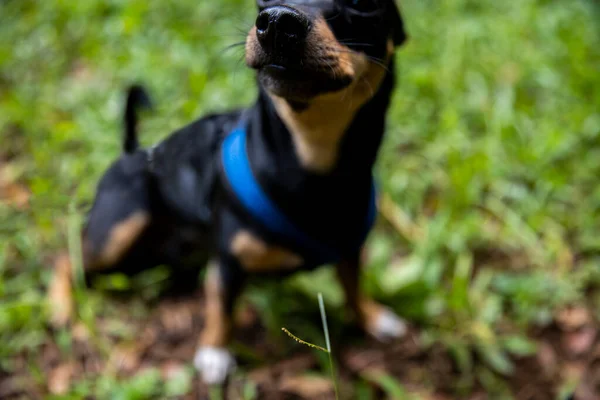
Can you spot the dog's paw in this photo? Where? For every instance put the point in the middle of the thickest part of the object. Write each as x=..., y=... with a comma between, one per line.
x=387, y=326
x=214, y=364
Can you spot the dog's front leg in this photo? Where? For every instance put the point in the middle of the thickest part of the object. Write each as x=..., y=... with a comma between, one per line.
x=375, y=319
x=213, y=360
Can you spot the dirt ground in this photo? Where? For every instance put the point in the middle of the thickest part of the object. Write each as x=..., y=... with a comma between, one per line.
x=568, y=350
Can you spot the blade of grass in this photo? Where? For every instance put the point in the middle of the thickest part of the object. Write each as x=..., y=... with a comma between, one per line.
x=324, y=321
x=328, y=343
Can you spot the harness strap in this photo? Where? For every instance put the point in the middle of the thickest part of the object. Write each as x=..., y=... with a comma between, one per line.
x=238, y=173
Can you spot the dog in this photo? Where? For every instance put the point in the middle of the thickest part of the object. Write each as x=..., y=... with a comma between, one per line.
x=282, y=186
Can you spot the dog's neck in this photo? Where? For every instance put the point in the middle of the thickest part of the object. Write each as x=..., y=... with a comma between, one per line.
x=337, y=134
x=316, y=130
x=319, y=127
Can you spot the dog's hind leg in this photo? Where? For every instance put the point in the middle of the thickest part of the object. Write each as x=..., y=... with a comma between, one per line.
x=116, y=225
x=374, y=318
x=96, y=257
x=119, y=217
x=117, y=245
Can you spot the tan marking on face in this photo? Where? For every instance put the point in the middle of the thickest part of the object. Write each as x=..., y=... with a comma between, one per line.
x=255, y=255
x=252, y=47
x=217, y=325
x=120, y=239
x=317, y=131
x=322, y=52
x=324, y=49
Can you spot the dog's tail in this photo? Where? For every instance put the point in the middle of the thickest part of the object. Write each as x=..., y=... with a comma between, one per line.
x=137, y=98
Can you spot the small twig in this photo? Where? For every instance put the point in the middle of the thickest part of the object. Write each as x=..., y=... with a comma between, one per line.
x=327, y=342
x=399, y=219
x=297, y=339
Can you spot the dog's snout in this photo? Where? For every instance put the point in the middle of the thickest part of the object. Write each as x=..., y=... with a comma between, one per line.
x=281, y=26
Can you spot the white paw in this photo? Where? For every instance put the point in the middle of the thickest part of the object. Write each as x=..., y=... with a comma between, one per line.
x=214, y=364
x=389, y=326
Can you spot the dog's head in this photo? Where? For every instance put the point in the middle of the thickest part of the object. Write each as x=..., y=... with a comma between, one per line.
x=305, y=48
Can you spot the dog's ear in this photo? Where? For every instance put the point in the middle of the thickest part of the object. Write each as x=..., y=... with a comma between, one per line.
x=396, y=23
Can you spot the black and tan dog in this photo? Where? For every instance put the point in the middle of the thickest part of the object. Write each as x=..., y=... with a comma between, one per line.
x=282, y=186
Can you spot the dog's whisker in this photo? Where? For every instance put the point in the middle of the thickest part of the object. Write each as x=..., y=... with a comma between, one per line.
x=239, y=62
x=242, y=31
x=356, y=44
x=331, y=66
x=333, y=17
x=379, y=63
x=225, y=52
x=372, y=59
x=366, y=81
x=225, y=35
x=234, y=45
x=336, y=49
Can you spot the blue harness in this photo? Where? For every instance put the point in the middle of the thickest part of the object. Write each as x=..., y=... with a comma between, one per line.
x=245, y=187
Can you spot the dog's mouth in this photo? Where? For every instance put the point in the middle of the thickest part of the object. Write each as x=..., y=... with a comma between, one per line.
x=299, y=84
x=297, y=58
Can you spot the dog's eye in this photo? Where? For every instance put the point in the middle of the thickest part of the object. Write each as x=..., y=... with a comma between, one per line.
x=362, y=6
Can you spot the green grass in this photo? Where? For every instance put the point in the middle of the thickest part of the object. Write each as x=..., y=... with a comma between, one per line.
x=326, y=349
x=491, y=163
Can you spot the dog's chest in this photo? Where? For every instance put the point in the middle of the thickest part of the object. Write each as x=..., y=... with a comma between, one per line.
x=260, y=250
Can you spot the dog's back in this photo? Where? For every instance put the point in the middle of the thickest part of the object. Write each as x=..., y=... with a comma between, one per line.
x=154, y=206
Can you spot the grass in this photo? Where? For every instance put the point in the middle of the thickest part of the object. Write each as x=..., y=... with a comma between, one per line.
x=327, y=342
x=489, y=170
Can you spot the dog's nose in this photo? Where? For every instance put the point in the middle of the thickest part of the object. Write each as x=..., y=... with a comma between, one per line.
x=280, y=26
